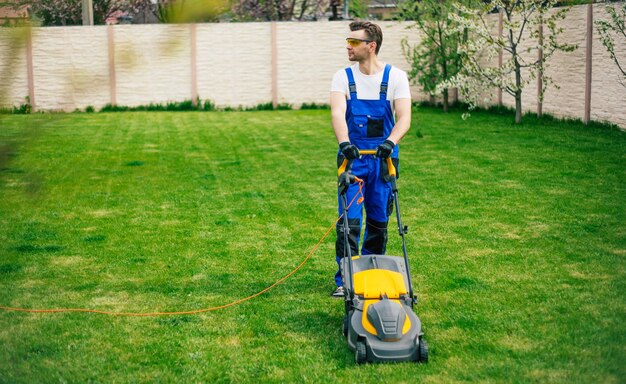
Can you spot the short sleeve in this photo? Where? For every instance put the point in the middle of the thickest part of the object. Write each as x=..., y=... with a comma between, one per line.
x=340, y=82
x=402, y=88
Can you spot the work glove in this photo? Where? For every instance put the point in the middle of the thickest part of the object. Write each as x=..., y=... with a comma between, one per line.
x=384, y=150
x=344, y=181
x=349, y=151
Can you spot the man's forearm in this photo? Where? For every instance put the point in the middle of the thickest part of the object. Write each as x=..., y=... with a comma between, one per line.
x=400, y=129
x=403, y=120
x=341, y=129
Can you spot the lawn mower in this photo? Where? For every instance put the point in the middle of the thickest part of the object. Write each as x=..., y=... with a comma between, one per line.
x=379, y=323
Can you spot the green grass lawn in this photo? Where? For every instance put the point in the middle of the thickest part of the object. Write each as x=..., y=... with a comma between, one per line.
x=517, y=244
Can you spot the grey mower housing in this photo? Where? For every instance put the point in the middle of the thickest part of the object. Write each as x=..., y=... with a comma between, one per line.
x=387, y=316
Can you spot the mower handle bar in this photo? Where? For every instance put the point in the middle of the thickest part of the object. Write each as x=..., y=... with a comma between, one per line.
x=390, y=166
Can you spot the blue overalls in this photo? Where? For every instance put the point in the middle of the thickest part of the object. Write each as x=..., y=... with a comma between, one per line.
x=369, y=124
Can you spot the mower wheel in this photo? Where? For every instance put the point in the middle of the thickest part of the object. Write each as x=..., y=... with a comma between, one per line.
x=422, y=350
x=345, y=325
x=360, y=354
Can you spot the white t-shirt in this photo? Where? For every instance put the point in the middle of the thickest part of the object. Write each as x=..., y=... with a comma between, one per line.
x=368, y=86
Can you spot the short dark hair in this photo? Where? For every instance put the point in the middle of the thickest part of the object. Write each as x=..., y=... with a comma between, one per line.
x=372, y=30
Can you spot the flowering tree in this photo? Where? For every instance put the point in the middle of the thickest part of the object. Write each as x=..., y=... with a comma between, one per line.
x=612, y=29
x=521, y=18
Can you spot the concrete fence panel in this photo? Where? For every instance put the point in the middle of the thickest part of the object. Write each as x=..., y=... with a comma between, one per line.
x=608, y=86
x=567, y=69
x=13, y=68
x=70, y=68
x=308, y=56
x=234, y=63
x=152, y=63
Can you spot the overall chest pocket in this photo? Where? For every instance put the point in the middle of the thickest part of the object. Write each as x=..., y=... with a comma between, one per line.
x=368, y=118
x=375, y=127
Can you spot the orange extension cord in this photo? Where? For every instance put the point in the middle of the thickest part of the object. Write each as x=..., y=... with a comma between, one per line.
x=197, y=311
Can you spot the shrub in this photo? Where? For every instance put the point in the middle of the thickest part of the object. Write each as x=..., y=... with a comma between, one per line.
x=314, y=106
x=24, y=108
x=114, y=108
x=208, y=105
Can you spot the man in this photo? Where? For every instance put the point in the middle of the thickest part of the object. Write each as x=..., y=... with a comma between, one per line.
x=363, y=99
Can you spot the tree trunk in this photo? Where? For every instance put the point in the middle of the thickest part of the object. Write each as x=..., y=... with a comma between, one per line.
x=302, y=10
x=518, y=92
x=518, y=72
x=444, y=65
x=518, y=107
x=445, y=91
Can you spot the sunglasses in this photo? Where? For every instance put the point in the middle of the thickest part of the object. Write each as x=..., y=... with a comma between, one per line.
x=356, y=42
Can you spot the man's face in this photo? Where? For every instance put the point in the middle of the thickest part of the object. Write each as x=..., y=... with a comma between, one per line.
x=358, y=46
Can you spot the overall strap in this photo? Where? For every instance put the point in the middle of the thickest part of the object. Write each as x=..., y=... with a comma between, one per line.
x=384, y=85
x=351, y=83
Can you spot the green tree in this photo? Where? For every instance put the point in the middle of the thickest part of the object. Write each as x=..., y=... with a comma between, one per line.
x=436, y=58
x=521, y=20
x=190, y=11
x=358, y=9
x=69, y=12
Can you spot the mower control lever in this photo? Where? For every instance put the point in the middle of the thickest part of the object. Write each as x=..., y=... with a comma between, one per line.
x=344, y=181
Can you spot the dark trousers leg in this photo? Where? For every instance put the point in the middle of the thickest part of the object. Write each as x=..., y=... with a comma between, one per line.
x=375, y=239
x=340, y=244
